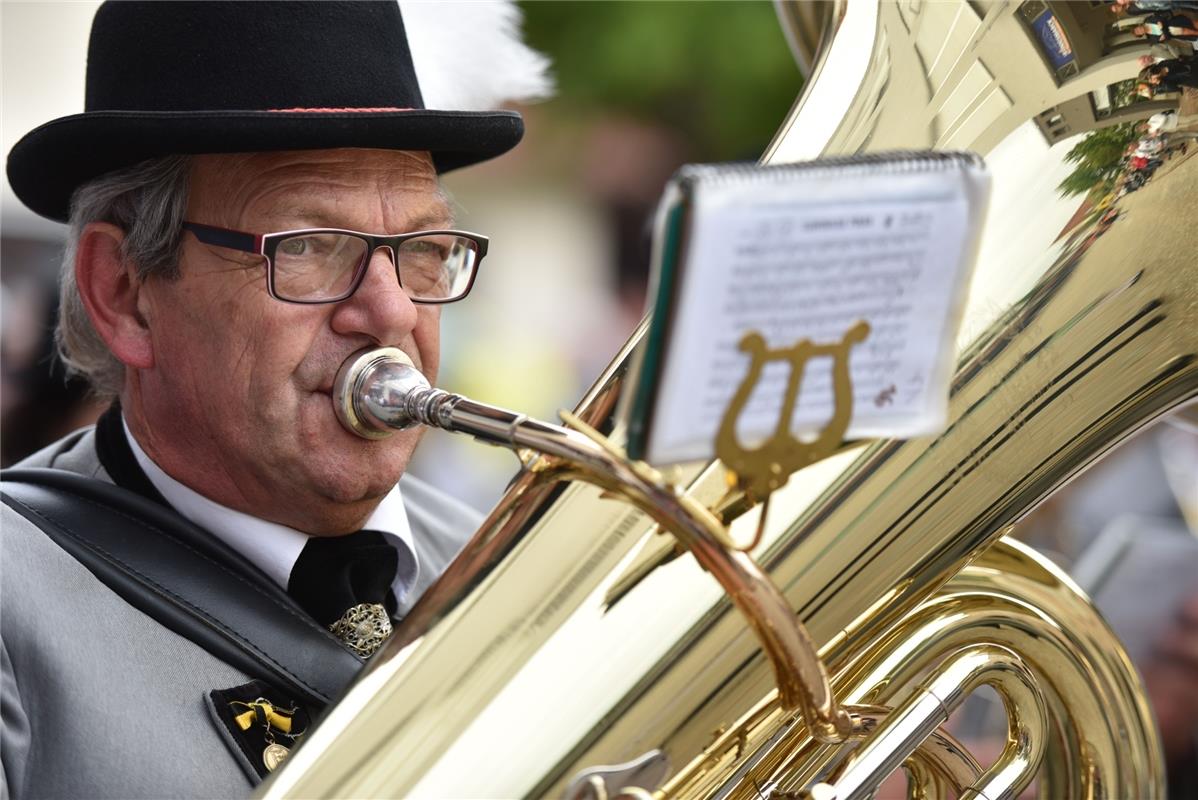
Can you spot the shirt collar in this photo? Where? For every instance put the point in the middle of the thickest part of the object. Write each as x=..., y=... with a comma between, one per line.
x=272, y=547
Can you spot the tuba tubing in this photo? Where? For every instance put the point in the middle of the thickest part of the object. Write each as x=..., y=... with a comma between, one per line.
x=523, y=666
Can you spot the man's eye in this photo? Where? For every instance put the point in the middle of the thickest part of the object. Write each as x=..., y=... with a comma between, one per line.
x=316, y=246
x=424, y=247
x=296, y=247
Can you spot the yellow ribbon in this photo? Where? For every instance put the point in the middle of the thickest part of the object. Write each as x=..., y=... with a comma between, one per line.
x=275, y=718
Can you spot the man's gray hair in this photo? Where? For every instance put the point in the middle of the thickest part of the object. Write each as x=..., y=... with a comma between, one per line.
x=148, y=201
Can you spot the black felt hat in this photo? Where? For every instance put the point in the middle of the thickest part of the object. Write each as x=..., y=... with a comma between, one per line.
x=167, y=78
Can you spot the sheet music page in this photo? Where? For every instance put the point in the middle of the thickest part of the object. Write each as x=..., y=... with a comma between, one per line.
x=806, y=259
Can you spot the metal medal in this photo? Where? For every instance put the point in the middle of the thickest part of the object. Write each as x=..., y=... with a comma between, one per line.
x=274, y=755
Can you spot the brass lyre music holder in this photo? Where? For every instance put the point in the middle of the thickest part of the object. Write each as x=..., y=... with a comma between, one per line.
x=759, y=471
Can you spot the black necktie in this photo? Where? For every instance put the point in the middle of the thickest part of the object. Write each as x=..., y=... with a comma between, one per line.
x=344, y=582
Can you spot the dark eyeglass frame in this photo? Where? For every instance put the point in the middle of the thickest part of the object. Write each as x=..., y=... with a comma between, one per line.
x=265, y=245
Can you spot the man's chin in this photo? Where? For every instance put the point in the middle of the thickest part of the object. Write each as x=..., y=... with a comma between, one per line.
x=356, y=489
x=341, y=503
x=345, y=469
x=353, y=470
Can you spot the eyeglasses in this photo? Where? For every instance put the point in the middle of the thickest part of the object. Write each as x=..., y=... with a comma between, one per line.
x=326, y=265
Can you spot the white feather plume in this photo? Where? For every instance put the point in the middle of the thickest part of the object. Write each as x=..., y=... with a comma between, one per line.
x=469, y=55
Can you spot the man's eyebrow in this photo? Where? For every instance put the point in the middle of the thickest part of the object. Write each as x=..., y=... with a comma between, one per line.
x=322, y=218
x=433, y=219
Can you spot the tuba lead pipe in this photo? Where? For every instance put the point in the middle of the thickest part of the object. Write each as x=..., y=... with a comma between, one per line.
x=379, y=391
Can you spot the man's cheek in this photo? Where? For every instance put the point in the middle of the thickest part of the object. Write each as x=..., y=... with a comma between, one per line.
x=427, y=338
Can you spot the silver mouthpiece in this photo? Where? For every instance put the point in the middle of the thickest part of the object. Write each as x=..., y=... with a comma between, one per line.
x=379, y=391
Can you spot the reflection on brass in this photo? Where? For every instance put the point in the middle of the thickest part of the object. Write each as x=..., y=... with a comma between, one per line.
x=658, y=551
x=601, y=783
x=761, y=470
x=1011, y=601
x=512, y=675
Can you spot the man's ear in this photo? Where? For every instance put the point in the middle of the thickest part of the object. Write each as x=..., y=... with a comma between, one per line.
x=109, y=289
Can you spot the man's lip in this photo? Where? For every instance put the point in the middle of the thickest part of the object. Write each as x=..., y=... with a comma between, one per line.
x=327, y=389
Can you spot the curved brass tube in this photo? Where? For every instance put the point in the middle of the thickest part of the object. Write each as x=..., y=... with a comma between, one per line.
x=1079, y=338
x=1100, y=741
x=911, y=724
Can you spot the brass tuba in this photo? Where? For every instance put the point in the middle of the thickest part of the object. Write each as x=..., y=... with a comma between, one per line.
x=569, y=652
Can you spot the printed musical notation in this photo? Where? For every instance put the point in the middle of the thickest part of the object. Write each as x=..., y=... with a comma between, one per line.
x=808, y=260
x=811, y=273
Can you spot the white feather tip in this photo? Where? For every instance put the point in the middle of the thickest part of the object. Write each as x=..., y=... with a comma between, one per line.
x=470, y=56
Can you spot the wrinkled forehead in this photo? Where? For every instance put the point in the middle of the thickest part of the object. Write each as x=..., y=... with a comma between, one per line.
x=372, y=190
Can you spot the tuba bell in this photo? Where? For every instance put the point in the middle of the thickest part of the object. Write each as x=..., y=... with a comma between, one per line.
x=570, y=652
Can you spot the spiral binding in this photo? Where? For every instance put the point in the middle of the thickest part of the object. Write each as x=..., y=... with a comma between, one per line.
x=886, y=162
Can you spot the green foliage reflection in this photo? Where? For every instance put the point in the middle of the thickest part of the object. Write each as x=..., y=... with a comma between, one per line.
x=1099, y=159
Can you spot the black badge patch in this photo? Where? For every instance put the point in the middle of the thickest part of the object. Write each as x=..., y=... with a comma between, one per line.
x=263, y=725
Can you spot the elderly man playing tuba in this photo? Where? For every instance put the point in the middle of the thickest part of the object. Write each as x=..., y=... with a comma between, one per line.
x=252, y=196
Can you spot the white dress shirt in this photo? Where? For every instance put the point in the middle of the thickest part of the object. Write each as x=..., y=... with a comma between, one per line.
x=272, y=547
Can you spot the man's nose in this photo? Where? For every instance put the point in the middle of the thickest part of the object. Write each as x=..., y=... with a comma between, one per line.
x=380, y=309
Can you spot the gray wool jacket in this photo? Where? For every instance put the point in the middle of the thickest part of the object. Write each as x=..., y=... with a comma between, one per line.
x=97, y=699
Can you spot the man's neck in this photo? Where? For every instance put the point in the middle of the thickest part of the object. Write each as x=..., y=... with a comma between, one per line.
x=272, y=547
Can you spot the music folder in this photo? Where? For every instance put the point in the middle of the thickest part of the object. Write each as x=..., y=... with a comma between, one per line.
x=866, y=259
